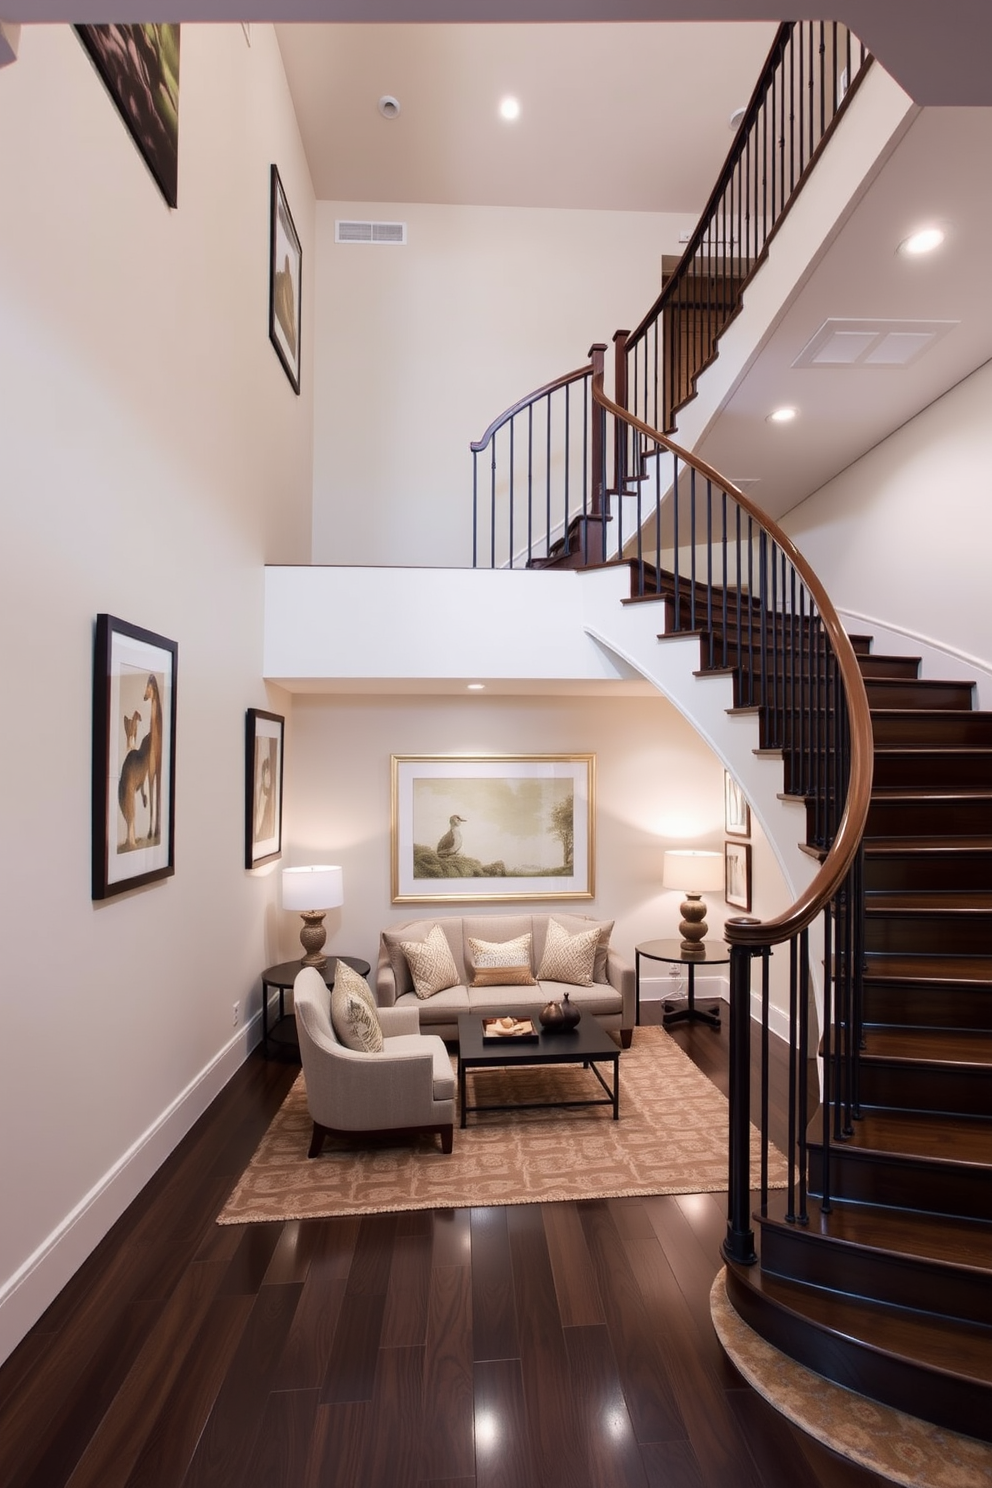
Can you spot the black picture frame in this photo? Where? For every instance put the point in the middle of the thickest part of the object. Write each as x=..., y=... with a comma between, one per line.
x=737, y=875
x=285, y=281
x=736, y=811
x=264, y=740
x=134, y=756
x=139, y=67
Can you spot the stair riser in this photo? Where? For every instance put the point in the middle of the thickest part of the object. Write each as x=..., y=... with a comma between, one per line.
x=967, y=933
x=959, y=1405
x=937, y=872
x=904, y=1281
x=889, y=666
x=933, y=816
x=900, y=694
x=908, y=1006
x=932, y=771
x=901, y=1087
x=959, y=730
x=901, y=1183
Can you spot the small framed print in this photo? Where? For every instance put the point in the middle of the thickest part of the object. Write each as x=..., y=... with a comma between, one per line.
x=736, y=811
x=737, y=874
x=285, y=281
x=134, y=756
x=263, y=786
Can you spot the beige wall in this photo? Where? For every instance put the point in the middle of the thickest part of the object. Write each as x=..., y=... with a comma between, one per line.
x=418, y=348
x=658, y=785
x=152, y=457
x=920, y=500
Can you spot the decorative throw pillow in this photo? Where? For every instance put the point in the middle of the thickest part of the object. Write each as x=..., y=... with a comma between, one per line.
x=574, y=923
x=353, y=1013
x=431, y=963
x=569, y=958
x=501, y=963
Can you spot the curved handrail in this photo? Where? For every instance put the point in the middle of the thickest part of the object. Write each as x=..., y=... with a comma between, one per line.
x=752, y=933
x=478, y=445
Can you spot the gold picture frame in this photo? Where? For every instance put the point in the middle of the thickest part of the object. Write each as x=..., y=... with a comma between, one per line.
x=472, y=828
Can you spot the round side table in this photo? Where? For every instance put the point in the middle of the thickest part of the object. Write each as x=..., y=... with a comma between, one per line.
x=282, y=1035
x=709, y=953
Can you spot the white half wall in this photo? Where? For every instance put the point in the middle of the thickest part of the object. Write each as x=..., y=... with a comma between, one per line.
x=482, y=305
x=153, y=457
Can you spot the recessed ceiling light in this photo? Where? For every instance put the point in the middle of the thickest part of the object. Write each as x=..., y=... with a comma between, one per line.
x=782, y=416
x=509, y=108
x=924, y=241
x=476, y=686
x=388, y=106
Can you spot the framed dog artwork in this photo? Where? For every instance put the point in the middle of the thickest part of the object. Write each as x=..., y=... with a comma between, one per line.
x=263, y=786
x=134, y=756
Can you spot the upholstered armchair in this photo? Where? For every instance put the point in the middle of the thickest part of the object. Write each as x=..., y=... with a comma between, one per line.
x=407, y=1088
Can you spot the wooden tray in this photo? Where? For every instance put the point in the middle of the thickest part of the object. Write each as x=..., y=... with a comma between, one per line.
x=523, y=1030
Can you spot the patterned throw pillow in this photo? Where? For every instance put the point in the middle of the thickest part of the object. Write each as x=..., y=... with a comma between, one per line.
x=501, y=963
x=569, y=958
x=431, y=963
x=353, y=1012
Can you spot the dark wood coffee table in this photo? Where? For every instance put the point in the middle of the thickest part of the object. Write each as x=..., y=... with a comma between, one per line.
x=588, y=1045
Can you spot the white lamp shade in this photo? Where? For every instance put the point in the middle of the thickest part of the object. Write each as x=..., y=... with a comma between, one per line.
x=317, y=887
x=693, y=872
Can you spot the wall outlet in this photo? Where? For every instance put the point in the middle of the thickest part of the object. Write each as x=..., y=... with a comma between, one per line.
x=237, y=1013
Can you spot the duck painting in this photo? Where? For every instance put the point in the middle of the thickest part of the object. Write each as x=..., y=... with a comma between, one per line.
x=451, y=843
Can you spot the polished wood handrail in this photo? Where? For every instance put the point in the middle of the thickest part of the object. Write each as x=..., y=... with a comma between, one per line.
x=747, y=932
x=478, y=445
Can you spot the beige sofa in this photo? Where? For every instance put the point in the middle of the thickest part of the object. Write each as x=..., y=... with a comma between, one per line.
x=610, y=998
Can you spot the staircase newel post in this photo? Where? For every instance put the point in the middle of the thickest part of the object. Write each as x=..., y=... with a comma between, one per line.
x=597, y=358
x=739, y=1243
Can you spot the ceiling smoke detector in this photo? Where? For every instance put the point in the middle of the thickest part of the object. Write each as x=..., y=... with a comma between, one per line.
x=388, y=106
x=734, y=122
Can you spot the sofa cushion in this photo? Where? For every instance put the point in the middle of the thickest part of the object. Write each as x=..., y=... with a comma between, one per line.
x=500, y=963
x=431, y=963
x=575, y=923
x=418, y=930
x=569, y=958
x=353, y=1015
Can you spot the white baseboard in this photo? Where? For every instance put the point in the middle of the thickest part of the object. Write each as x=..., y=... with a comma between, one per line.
x=35, y=1285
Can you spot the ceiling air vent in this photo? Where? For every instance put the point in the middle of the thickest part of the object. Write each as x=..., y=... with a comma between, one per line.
x=370, y=232
x=871, y=343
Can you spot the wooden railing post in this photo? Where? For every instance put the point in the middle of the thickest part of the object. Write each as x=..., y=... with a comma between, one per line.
x=597, y=359
x=620, y=396
x=739, y=1244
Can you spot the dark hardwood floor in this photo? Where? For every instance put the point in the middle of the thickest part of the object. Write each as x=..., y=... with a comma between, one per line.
x=526, y=1347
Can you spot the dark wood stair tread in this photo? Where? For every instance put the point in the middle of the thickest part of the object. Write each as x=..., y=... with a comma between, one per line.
x=959, y=1141
x=955, y=1047
x=919, y=902
x=961, y=1351
x=975, y=970
x=941, y=1238
x=948, y=844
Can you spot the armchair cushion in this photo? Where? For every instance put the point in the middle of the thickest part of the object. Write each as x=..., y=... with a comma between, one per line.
x=353, y=1012
x=431, y=963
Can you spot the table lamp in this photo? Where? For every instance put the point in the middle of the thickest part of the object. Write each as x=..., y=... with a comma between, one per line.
x=312, y=891
x=693, y=872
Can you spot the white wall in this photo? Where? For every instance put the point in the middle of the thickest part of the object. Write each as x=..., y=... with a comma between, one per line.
x=481, y=306
x=657, y=786
x=903, y=536
x=152, y=457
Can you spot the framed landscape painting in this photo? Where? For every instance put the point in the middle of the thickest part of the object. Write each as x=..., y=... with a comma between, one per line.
x=492, y=827
x=263, y=786
x=134, y=756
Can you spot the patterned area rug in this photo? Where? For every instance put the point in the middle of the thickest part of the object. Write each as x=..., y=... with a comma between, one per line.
x=903, y=1448
x=671, y=1138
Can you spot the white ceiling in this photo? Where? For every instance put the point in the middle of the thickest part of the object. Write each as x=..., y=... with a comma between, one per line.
x=619, y=117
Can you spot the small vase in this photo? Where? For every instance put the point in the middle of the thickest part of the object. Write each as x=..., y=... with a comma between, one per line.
x=551, y=1018
x=570, y=1015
